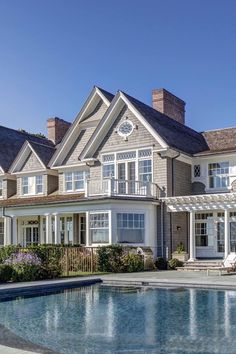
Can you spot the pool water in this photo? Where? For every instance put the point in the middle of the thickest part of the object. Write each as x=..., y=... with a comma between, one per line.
x=100, y=319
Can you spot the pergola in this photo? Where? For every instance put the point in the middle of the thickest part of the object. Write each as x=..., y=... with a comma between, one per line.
x=205, y=202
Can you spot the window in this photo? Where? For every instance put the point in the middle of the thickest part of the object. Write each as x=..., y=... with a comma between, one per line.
x=201, y=234
x=99, y=227
x=39, y=184
x=108, y=171
x=32, y=185
x=197, y=171
x=218, y=175
x=145, y=170
x=130, y=228
x=1, y=233
x=75, y=181
x=1, y=188
x=25, y=185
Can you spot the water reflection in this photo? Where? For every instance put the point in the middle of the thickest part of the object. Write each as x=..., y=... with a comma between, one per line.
x=106, y=320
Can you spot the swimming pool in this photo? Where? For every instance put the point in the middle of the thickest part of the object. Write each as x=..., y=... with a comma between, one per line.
x=102, y=319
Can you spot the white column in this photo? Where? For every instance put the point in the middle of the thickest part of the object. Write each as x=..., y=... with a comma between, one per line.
x=57, y=229
x=7, y=231
x=227, y=237
x=41, y=232
x=48, y=228
x=66, y=237
x=192, y=247
x=14, y=231
x=87, y=229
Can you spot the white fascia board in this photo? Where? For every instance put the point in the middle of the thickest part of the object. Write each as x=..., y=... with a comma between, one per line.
x=1, y=171
x=22, y=156
x=101, y=128
x=95, y=92
x=144, y=122
x=64, y=167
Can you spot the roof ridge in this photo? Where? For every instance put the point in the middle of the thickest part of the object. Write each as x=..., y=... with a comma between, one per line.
x=35, y=143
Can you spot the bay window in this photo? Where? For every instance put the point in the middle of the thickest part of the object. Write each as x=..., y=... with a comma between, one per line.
x=99, y=227
x=130, y=227
x=75, y=181
x=218, y=174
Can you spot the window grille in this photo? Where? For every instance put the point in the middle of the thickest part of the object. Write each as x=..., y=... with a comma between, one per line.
x=197, y=171
x=108, y=158
x=144, y=153
x=126, y=155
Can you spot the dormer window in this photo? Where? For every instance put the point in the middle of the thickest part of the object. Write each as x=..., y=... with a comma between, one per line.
x=32, y=185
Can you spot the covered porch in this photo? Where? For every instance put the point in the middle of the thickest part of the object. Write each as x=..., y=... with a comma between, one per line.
x=212, y=224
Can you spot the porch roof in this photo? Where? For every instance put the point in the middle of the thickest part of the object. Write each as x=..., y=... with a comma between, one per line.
x=201, y=202
x=55, y=198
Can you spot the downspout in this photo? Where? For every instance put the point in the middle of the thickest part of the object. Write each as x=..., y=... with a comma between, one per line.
x=9, y=217
x=173, y=194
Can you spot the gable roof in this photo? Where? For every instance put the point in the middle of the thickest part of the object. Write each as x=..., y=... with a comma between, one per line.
x=167, y=131
x=42, y=152
x=175, y=134
x=97, y=94
x=11, y=141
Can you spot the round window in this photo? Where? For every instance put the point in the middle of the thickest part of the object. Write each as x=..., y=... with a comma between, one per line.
x=125, y=128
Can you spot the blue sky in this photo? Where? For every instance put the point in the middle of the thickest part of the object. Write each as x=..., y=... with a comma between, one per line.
x=52, y=52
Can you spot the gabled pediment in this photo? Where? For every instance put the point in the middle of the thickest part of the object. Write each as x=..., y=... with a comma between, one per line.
x=120, y=103
x=86, y=121
x=27, y=160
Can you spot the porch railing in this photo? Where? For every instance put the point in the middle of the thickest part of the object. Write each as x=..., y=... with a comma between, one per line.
x=120, y=187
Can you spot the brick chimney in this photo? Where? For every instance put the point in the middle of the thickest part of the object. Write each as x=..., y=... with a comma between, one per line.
x=168, y=104
x=57, y=128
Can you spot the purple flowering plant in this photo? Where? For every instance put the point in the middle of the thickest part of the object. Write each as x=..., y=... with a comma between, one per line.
x=20, y=258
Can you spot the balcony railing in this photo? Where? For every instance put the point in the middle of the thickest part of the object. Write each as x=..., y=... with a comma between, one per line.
x=118, y=187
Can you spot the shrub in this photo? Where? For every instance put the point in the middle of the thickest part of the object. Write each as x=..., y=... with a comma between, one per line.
x=25, y=266
x=174, y=263
x=6, y=251
x=110, y=258
x=132, y=263
x=51, y=259
x=161, y=263
x=149, y=263
x=6, y=272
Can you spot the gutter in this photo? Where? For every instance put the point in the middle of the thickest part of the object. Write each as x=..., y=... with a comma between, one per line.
x=9, y=217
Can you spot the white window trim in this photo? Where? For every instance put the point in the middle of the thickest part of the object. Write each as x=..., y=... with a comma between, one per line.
x=220, y=175
x=128, y=228
x=94, y=244
x=74, y=190
x=34, y=186
x=136, y=160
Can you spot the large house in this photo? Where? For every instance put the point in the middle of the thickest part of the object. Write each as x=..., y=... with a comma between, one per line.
x=122, y=172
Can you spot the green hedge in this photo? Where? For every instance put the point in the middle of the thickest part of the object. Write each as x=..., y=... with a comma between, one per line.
x=116, y=258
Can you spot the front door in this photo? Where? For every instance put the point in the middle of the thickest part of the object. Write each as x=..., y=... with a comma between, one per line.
x=31, y=235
